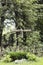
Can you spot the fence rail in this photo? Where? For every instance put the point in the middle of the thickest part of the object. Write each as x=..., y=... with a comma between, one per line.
x=19, y=30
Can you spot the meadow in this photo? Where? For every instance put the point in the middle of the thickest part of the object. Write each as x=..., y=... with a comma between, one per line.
x=39, y=62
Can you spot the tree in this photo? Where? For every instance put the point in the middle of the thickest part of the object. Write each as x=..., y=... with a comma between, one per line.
x=25, y=15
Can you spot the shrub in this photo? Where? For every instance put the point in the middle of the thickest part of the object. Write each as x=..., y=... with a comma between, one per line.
x=31, y=57
x=11, y=56
x=17, y=55
x=7, y=58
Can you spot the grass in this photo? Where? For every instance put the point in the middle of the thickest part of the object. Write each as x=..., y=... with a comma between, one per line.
x=39, y=62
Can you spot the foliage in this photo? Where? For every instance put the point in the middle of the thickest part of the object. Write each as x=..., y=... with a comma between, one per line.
x=17, y=55
x=6, y=58
x=27, y=14
x=31, y=57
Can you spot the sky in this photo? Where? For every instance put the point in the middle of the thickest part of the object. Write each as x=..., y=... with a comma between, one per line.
x=9, y=25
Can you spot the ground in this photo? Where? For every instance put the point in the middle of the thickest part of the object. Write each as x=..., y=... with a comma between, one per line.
x=39, y=62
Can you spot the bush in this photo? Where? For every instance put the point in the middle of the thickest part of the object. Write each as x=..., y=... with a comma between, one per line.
x=7, y=58
x=11, y=56
x=17, y=55
x=31, y=57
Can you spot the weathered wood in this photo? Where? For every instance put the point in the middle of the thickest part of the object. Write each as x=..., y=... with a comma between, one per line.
x=19, y=30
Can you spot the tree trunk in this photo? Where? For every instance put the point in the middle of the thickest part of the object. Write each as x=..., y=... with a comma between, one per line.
x=24, y=38
x=1, y=30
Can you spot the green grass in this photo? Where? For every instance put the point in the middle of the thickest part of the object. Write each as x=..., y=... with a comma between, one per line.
x=39, y=62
